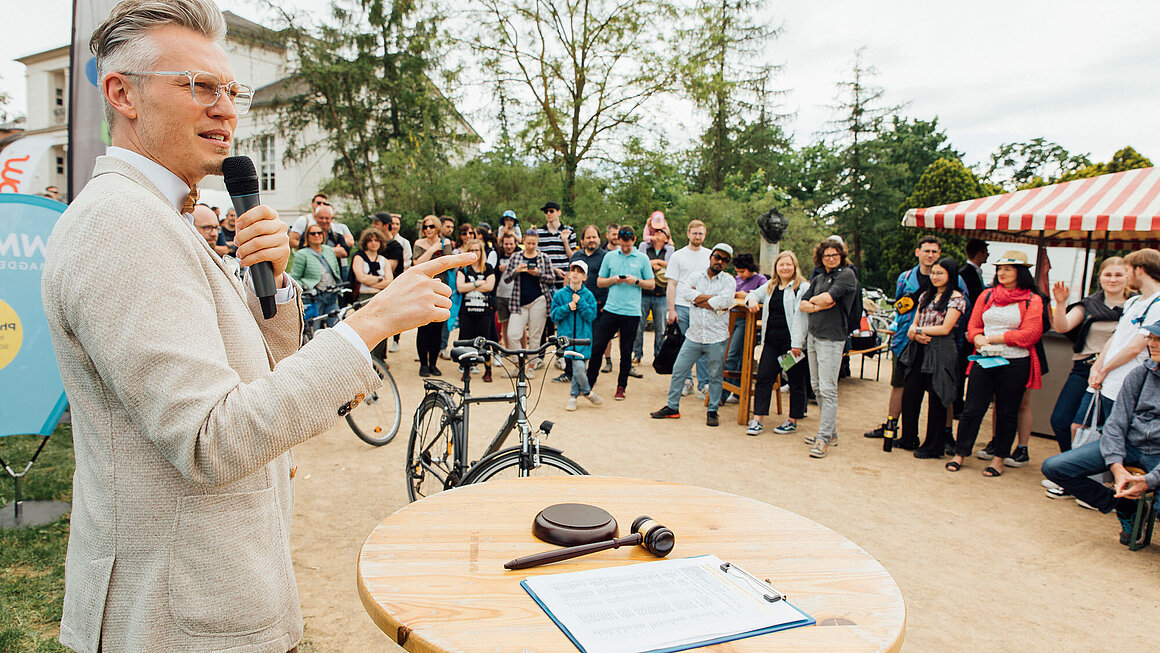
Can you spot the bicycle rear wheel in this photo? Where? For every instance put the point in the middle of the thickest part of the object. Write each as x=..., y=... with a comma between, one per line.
x=376, y=420
x=506, y=464
x=435, y=448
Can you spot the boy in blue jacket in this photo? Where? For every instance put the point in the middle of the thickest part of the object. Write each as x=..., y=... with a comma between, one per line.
x=573, y=311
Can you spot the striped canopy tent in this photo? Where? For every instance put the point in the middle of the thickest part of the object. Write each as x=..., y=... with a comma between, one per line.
x=1116, y=211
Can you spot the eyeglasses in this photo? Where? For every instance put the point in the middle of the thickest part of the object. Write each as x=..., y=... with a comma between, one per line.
x=209, y=227
x=207, y=88
x=831, y=256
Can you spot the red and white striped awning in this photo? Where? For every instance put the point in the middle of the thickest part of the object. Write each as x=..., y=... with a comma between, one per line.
x=1116, y=211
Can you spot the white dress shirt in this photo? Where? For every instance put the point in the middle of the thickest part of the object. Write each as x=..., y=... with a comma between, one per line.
x=708, y=326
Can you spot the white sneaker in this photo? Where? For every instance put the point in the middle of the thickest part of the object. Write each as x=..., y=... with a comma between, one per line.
x=1085, y=504
x=687, y=388
x=531, y=371
x=594, y=398
x=559, y=364
x=571, y=404
x=832, y=441
x=538, y=363
x=1050, y=485
x=700, y=393
x=820, y=448
x=755, y=428
x=393, y=347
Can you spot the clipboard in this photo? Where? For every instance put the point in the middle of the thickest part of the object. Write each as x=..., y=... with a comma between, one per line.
x=989, y=361
x=662, y=606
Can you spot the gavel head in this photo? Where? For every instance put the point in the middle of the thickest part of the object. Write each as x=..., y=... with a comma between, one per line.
x=656, y=539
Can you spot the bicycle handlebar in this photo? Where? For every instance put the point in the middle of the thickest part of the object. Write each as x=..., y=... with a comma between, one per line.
x=560, y=342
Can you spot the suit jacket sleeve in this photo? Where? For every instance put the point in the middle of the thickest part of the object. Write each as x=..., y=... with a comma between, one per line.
x=162, y=350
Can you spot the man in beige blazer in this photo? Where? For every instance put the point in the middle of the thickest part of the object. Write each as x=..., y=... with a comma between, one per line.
x=185, y=402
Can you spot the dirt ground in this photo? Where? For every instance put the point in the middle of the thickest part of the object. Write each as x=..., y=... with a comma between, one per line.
x=983, y=564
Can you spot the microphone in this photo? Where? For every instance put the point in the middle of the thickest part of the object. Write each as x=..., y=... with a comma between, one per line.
x=242, y=184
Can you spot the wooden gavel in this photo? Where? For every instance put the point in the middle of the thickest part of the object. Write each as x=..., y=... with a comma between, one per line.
x=655, y=538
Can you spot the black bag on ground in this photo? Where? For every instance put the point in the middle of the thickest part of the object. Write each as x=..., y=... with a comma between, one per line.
x=663, y=363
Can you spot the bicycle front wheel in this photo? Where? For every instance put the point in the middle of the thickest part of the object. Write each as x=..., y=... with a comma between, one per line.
x=376, y=420
x=507, y=464
x=433, y=453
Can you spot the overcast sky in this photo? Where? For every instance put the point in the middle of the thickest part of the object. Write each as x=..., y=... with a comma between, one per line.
x=1084, y=75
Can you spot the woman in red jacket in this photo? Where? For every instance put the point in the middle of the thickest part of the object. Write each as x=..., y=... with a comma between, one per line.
x=1006, y=322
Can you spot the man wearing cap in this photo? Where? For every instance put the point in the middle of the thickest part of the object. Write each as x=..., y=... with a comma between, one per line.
x=573, y=311
x=710, y=296
x=625, y=272
x=1131, y=437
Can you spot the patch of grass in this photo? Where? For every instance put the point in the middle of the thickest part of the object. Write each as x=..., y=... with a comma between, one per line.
x=32, y=559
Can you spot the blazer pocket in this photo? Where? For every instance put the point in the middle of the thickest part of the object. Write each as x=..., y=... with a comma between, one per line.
x=229, y=568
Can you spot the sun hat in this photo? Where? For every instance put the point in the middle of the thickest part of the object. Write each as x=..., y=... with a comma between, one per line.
x=1013, y=257
x=510, y=214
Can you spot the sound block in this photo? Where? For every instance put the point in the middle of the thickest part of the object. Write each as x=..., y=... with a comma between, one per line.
x=570, y=524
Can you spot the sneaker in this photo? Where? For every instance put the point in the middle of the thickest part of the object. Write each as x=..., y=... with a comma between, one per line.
x=808, y=439
x=444, y=355
x=571, y=404
x=820, y=448
x=986, y=453
x=732, y=399
x=393, y=347
x=559, y=364
x=1050, y=484
x=1017, y=459
x=666, y=413
x=712, y=420
x=487, y=376
x=619, y=396
x=832, y=441
x=537, y=364
x=510, y=373
x=563, y=378
x=755, y=428
x=700, y=393
x=423, y=371
x=1057, y=493
x=1128, y=522
x=607, y=366
x=687, y=388
x=594, y=398
x=879, y=432
x=1084, y=504
x=530, y=370
x=786, y=427
x=634, y=374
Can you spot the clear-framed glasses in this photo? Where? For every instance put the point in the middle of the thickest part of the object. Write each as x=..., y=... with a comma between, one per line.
x=206, y=88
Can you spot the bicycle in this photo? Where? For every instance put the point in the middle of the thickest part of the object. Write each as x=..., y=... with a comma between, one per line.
x=437, y=451
x=376, y=420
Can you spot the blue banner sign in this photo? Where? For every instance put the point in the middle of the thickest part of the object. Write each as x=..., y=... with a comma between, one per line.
x=32, y=396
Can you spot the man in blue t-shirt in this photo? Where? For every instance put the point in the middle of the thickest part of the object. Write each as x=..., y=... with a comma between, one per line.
x=625, y=272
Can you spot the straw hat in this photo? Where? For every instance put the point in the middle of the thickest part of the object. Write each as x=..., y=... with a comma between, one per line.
x=1012, y=257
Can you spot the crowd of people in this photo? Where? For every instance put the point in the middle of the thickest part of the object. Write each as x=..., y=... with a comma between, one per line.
x=962, y=345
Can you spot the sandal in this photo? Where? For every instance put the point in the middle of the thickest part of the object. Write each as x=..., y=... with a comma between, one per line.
x=953, y=466
x=991, y=472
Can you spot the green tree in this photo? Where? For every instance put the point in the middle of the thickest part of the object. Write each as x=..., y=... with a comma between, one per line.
x=1126, y=158
x=722, y=77
x=646, y=181
x=864, y=180
x=364, y=81
x=1034, y=163
x=586, y=69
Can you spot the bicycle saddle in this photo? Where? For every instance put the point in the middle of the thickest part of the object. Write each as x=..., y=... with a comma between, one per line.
x=466, y=355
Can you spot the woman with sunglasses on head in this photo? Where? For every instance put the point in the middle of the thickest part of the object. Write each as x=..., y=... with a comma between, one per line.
x=476, y=283
x=315, y=267
x=931, y=359
x=1006, y=323
x=783, y=329
x=430, y=245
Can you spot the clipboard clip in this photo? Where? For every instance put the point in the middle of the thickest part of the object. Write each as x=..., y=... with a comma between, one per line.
x=763, y=587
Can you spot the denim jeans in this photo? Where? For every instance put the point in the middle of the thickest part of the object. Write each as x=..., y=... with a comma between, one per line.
x=825, y=358
x=1070, y=397
x=694, y=352
x=702, y=370
x=326, y=303
x=1071, y=470
x=659, y=307
x=580, y=377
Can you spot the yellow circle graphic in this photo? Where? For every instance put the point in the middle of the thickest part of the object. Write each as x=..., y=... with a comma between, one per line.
x=11, y=334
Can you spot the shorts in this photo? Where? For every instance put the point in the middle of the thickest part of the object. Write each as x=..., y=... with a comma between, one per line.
x=898, y=374
x=502, y=311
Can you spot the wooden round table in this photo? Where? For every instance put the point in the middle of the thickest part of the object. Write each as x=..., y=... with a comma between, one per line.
x=432, y=577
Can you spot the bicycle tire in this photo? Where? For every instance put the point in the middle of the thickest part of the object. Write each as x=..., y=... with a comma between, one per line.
x=435, y=449
x=506, y=464
x=376, y=420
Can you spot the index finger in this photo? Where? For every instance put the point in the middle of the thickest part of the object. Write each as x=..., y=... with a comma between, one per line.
x=256, y=214
x=444, y=263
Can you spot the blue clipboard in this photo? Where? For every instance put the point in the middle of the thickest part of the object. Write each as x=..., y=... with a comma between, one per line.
x=989, y=361
x=806, y=620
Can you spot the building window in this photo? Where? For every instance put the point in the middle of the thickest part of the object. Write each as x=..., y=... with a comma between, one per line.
x=266, y=162
x=60, y=165
x=60, y=97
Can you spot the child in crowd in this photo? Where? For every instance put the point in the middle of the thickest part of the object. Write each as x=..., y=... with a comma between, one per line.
x=573, y=311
